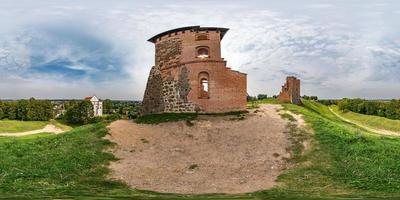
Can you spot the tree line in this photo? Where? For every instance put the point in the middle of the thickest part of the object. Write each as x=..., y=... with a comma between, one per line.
x=27, y=110
x=390, y=109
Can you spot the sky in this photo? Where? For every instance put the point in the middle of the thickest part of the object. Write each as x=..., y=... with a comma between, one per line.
x=71, y=49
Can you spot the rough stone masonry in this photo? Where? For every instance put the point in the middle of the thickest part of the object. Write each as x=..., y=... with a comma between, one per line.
x=189, y=74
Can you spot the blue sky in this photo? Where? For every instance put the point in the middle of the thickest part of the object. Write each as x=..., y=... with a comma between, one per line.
x=71, y=49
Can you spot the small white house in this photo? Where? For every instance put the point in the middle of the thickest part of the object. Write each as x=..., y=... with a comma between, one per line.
x=97, y=105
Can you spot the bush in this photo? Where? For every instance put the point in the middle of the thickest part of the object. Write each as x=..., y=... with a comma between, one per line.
x=80, y=113
x=113, y=117
x=389, y=110
x=262, y=96
x=310, y=97
x=328, y=102
x=27, y=110
x=97, y=119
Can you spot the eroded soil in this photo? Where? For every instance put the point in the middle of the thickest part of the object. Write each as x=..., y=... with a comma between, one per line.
x=217, y=154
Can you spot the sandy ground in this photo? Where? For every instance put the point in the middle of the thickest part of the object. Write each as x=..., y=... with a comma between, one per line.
x=47, y=129
x=216, y=155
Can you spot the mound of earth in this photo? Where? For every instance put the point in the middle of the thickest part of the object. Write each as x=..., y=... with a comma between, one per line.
x=215, y=155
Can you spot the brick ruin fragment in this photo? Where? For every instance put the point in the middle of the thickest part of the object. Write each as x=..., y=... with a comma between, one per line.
x=190, y=76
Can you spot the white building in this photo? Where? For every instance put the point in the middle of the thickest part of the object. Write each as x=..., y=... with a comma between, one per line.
x=97, y=105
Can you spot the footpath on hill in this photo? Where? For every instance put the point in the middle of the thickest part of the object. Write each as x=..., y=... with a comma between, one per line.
x=47, y=129
x=373, y=130
x=214, y=154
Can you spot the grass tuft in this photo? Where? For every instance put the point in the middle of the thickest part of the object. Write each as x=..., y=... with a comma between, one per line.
x=165, y=117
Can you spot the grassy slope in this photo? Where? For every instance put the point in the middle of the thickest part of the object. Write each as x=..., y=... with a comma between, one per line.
x=13, y=126
x=343, y=160
x=370, y=121
x=345, y=156
x=256, y=103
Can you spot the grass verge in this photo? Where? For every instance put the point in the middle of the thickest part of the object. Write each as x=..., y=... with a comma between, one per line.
x=253, y=104
x=165, y=117
x=370, y=120
x=15, y=126
x=344, y=159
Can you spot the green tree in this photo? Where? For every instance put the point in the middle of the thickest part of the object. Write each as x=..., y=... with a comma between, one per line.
x=2, y=110
x=11, y=110
x=107, y=106
x=80, y=113
x=262, y=96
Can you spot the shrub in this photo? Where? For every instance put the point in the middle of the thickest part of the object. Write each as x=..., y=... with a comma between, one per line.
x=80, y=113
x=113, y=117
x=27, y=110
x=389, y=110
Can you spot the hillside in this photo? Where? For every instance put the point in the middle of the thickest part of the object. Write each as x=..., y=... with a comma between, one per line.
x=335, y=160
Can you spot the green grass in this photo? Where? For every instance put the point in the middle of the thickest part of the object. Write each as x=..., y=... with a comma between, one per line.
x=188, y=117
x=255, y=104
x=370, y=120
x=344, y=163
x=165, y=117
x=68, y=165
x=344, y=159
x=56, y=164
x=14, y=126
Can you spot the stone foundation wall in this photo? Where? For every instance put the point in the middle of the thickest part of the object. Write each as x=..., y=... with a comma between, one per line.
x=167, y=95
x=174, y=101
x=153, y=100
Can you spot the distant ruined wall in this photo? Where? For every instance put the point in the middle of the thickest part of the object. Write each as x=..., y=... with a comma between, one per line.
x=291, y=91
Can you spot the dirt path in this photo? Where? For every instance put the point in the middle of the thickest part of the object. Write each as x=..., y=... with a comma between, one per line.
x=373, y=130
x=215, y=155
x=47, y=129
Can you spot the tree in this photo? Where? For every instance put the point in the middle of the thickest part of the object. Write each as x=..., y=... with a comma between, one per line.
x=262, y=96
x=80, y=113
x=107, y=106
x=2, y=110
x=251, y=98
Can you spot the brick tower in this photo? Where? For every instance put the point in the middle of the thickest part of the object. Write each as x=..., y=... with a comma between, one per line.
x=191, y=76
x=291, y=91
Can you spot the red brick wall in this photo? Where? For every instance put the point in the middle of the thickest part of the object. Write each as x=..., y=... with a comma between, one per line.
x=227, y=88
x=290, y=91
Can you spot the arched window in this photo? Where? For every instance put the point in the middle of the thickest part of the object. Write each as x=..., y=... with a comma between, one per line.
x=204, y=89
x=202, y=52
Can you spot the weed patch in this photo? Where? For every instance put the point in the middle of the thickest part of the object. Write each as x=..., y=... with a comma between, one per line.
x=165, y=117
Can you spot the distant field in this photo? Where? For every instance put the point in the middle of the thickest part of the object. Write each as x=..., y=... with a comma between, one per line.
x=370, y=120
x=14, y=126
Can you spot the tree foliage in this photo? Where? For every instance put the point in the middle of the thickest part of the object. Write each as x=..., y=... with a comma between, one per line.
x=27, y=110
x=310, y=97
x=389, y=109
x=79, y=112
x=262, y=96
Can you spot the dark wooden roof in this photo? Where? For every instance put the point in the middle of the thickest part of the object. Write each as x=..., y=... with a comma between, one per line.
x=188, y=28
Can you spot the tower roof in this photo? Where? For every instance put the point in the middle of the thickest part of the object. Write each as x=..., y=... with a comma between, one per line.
x=193, y=28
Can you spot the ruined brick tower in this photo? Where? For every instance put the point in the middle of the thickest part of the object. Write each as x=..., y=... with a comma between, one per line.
x=190, y=76
x=290, y=91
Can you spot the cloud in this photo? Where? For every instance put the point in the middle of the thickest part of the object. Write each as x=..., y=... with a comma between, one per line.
x=319, y=6
x=70, y=49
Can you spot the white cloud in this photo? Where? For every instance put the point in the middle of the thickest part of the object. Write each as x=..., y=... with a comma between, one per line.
x=334, y=58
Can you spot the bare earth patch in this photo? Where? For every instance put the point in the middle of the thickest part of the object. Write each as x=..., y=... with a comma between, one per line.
x=215, y=155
